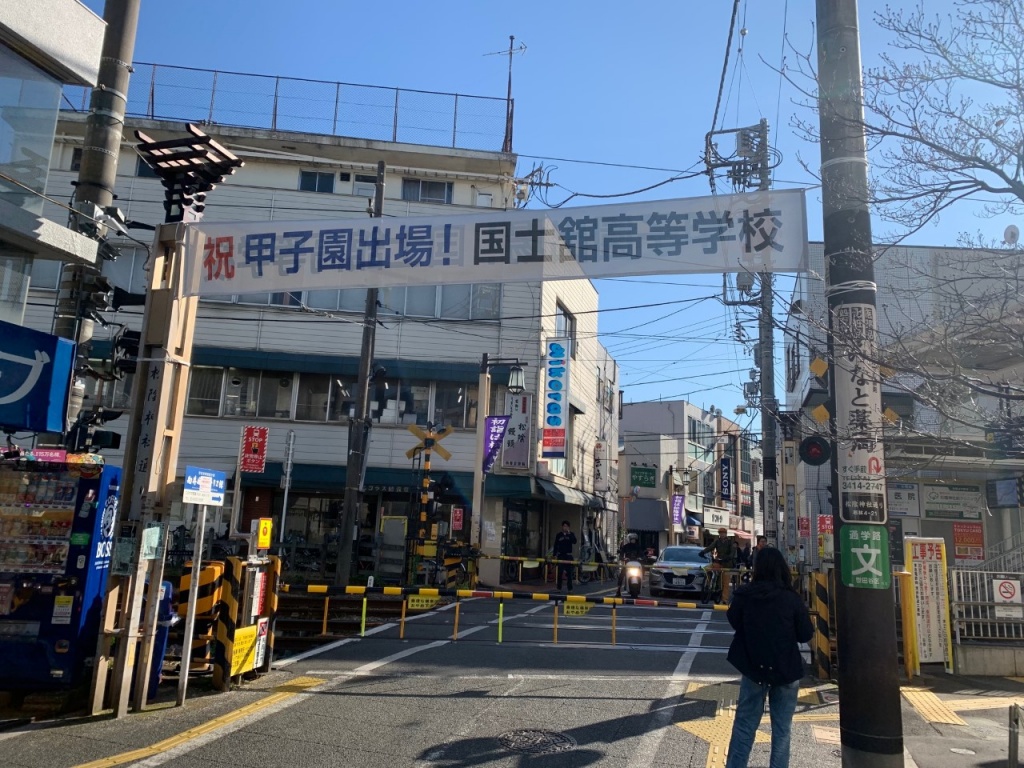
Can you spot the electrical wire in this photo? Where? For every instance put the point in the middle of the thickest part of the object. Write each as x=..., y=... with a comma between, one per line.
x=725, y=64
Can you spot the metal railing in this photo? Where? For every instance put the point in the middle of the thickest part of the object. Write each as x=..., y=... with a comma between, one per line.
x=1006, y=555
x=215, y=97
x=977, y=616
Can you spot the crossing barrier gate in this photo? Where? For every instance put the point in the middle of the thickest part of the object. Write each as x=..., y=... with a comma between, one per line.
x=820, y=594
x=208, y=606
x=244, y=634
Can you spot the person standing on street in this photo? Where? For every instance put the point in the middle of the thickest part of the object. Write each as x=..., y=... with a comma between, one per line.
x=565, y=541
x=724, y=549
x=770, y=621
x=762, y=542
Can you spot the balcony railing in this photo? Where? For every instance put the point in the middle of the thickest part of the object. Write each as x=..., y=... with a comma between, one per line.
x=214, y=97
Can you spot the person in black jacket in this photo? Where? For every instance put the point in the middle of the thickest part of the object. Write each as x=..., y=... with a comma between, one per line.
x=770, y=621
x=565, y=540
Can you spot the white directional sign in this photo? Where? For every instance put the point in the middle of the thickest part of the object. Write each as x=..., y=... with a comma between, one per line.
x=204, y=486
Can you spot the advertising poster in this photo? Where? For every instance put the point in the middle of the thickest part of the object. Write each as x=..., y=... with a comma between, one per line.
x=826, y=540
x=953, y=502
x=968, y=543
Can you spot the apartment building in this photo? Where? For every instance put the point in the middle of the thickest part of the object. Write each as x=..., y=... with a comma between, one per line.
x=288, y=361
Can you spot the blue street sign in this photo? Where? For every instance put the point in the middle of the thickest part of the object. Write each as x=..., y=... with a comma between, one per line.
x=35, y=377
x=204, y=486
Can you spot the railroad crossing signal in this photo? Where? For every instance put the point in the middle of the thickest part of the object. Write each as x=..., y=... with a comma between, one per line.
x=429, y=440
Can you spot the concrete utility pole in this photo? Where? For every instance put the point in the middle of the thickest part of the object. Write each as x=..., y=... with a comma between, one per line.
x=870, y=720
x=358, y=433
x=96, y=177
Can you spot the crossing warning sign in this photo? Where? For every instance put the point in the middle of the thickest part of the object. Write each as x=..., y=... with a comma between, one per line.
x=263, y=533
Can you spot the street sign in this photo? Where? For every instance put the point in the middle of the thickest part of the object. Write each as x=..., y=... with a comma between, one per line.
x=252, y=455
x=864, y=552
x=429, y=439
x=263, y=533
x=204, y=486
x=1006, y=596
x=457, y=518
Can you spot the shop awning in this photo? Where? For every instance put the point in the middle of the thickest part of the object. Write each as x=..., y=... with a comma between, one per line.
x=562, y=493
x=646, y=515
x=691, y=520
x=740, y=534
x=509, y=486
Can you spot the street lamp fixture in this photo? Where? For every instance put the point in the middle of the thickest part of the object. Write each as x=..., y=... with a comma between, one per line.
x=516, y=379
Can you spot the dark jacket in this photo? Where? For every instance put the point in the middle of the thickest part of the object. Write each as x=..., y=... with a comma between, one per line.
x=629, y=551
x=564, y=542
x=769, y=621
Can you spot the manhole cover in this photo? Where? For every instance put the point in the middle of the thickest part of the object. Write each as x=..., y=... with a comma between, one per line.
x=537, y=742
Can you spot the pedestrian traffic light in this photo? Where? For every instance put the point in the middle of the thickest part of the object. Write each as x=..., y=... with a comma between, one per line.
x=815, y=450
x=125, y=352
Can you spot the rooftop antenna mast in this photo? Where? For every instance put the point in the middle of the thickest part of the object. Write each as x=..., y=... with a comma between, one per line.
x=506, y=145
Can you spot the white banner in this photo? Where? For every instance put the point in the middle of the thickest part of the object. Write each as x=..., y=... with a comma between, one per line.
x=756, y=232
x=925, y=558
x=601, y=467
x=515, y=448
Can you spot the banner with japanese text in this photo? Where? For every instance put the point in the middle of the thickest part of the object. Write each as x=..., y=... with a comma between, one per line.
x=515, y=449
x=494, y=432
x=753, y=232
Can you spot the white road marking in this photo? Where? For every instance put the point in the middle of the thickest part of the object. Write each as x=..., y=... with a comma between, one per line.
x=650, y=742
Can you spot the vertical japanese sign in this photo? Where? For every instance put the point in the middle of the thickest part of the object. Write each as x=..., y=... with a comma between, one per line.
x=515, y=448
x=926, y=560
x=601, y=467
x=790, y=514
x=726, y=478
x=804, y=527
x=494, y=432
x=864, y=553
x=968, y=543
x=149, y=431
x=678, y=509
x=457, y=518
x=556, y=399
x=859, y=416
x=252, y=457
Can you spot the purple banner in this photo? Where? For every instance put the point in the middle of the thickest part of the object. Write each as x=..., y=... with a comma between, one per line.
x=678, y=508
x=494, y=432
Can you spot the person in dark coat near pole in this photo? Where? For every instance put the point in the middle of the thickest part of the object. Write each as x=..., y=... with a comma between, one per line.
x=770, y=621
x=565, y=541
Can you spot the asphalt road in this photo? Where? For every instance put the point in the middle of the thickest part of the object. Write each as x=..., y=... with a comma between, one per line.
x=661, y=696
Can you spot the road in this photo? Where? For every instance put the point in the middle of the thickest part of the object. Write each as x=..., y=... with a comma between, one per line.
x=661, y=696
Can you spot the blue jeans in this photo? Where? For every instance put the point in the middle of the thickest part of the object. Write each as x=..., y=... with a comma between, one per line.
x=750, y=708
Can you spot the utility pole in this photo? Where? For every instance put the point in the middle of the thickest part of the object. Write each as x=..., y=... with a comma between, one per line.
x=359, y=426
x=80, y=286
x=870, y=719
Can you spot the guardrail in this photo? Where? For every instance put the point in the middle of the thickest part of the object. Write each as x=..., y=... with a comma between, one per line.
x=571, y=604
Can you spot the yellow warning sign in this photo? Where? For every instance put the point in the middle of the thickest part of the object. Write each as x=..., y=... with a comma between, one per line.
x=421, y=602
x=243, y=652
x=263, y=533
x=577, y=609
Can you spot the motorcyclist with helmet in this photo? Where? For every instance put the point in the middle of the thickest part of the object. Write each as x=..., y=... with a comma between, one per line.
x=628, y=550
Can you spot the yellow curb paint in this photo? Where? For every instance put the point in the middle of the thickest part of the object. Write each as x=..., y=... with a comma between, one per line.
x=281, y=693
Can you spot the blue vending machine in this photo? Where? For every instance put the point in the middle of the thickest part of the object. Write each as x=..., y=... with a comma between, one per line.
x=56, y=534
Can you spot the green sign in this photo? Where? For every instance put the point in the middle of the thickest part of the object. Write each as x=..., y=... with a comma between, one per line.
x=864, y=550
x=79, y=539
x=645, y=477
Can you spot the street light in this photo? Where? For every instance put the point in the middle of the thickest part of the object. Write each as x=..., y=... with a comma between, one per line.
x=516, y=386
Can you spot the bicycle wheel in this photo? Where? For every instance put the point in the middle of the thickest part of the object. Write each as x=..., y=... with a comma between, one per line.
x=461, y=577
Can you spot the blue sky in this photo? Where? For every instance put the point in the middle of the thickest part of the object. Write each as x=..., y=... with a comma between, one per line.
x=605, y=82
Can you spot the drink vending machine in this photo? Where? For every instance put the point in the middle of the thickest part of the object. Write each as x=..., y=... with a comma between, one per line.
x=56, y=534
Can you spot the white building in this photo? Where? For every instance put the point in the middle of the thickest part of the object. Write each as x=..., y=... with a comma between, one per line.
x=43, y=46
x=289, y=362
x=685, y=471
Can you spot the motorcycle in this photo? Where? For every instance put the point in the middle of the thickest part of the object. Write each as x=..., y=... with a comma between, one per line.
x=634, y=577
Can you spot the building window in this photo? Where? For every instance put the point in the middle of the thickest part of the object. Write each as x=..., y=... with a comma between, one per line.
x=565, y=327
x=143, y=170
x=314, y=395
x=45, y=274
x=275, y=401
x=240, y=392
x=421, y=301
x=76, y=159
x=455, y=405
x=471, y=302
x=343, y=400
x=204, y=391
x=315, y=181
x=484, y=199
x=423, y=191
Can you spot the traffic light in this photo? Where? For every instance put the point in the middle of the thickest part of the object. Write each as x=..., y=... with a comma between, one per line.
x=815, y=450
x=125, y=352
x=83, y=437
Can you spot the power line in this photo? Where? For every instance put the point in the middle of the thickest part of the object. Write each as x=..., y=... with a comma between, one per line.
x=725, y=64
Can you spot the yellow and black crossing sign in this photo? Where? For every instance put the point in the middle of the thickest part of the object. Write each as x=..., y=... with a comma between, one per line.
x=429, y=440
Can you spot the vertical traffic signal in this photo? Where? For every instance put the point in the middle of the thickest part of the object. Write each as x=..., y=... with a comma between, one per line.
x=125, y=352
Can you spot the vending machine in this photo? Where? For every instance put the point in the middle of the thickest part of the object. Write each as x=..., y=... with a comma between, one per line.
x=56, y=532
